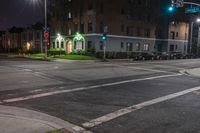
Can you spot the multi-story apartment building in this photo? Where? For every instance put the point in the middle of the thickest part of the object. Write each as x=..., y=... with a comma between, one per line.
x=131, y=25
x=30, y=38
x=11, y=41
x=1, y=40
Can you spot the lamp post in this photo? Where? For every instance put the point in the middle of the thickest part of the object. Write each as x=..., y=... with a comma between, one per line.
x=45, y=8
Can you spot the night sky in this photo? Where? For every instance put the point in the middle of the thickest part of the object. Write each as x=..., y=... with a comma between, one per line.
x=20, y=13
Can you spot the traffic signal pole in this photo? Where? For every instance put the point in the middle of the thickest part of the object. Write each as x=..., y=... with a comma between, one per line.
x=104, y=51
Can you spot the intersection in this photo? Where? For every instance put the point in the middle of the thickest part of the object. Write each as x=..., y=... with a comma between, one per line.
x=104, y=97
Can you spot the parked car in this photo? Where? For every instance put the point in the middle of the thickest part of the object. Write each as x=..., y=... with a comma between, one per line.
x=145, y=56
x=177, y=55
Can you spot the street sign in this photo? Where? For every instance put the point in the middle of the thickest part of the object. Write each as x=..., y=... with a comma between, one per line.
x=192, y=10
x=46, y=36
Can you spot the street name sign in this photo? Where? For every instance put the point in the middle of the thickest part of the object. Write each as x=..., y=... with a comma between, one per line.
x=192, y=10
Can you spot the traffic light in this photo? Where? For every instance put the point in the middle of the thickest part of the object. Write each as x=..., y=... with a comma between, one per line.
x=171, y=9
x=104, y=37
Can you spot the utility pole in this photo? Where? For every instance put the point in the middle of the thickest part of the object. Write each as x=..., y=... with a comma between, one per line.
x=45, y=4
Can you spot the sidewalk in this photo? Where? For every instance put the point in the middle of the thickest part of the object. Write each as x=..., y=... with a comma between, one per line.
x=19, y=120
x=194, y=72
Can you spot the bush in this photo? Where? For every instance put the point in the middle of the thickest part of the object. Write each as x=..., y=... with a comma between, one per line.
x=56, y=51
x=78, y=52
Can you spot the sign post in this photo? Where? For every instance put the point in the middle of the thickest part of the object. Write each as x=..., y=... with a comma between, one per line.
x=46, y=40
x=104, y=39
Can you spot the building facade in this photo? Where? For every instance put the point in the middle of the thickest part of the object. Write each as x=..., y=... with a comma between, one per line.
x=22, y=39
x=130, y=25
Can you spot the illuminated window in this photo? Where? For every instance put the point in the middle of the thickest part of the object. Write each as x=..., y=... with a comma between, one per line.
x=146, y=47
x=69, y=31
x=69, y=15
x=138, y=47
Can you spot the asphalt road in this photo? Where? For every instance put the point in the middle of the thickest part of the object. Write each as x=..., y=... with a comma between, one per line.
x=107, y=97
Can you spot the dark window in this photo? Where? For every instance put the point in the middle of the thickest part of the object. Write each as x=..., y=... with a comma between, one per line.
x=89, y=45
x=129, y=31
x=54, y=45
x=138, y=31
x=90, y=26
x=57, y=44
x=172, y=35
x=122, y=45
x=90, y=6
x=62, y=44
x=101, y=8
x=122, y=11
x=139, y=2
x=101, y=28
x=38, y=35
x=176, y=34
x=30, y=36
x=171, y=48
x=101, y=45
x=76, y=27
x=82, y=28
x=147, y=33
x=122, y=28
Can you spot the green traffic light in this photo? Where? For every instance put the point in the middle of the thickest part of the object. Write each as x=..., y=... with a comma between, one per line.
x=171, y=9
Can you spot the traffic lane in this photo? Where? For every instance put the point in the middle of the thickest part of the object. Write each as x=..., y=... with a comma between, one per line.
x=83, y=106
x=165, y=65
x=180, y=115
x=67, y=85
x=97, y=73
x=23, y=79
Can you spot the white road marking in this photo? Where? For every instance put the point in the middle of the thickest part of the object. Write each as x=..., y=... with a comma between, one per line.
x=152, y=70
x=33, y=91
x=133, y=108
x=84, y=88
x=27, y=70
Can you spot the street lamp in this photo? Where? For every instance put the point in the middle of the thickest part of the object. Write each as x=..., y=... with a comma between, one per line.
x=198, y=20
x=45, y=27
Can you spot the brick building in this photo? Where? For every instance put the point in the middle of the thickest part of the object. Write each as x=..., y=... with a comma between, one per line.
x=131, y=25
x=15, y=39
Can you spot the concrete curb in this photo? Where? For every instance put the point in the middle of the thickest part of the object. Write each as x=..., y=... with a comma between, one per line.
x=38, y=117
x=195, y=72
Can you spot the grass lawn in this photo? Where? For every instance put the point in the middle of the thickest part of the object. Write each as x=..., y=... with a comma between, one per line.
x=76, y=57
x=38, y=55
x=68, y=57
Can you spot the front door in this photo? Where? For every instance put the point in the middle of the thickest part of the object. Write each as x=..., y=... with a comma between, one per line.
x=69, y=47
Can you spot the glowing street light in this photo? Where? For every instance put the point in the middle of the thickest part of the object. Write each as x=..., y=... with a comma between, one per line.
x=198, y=20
